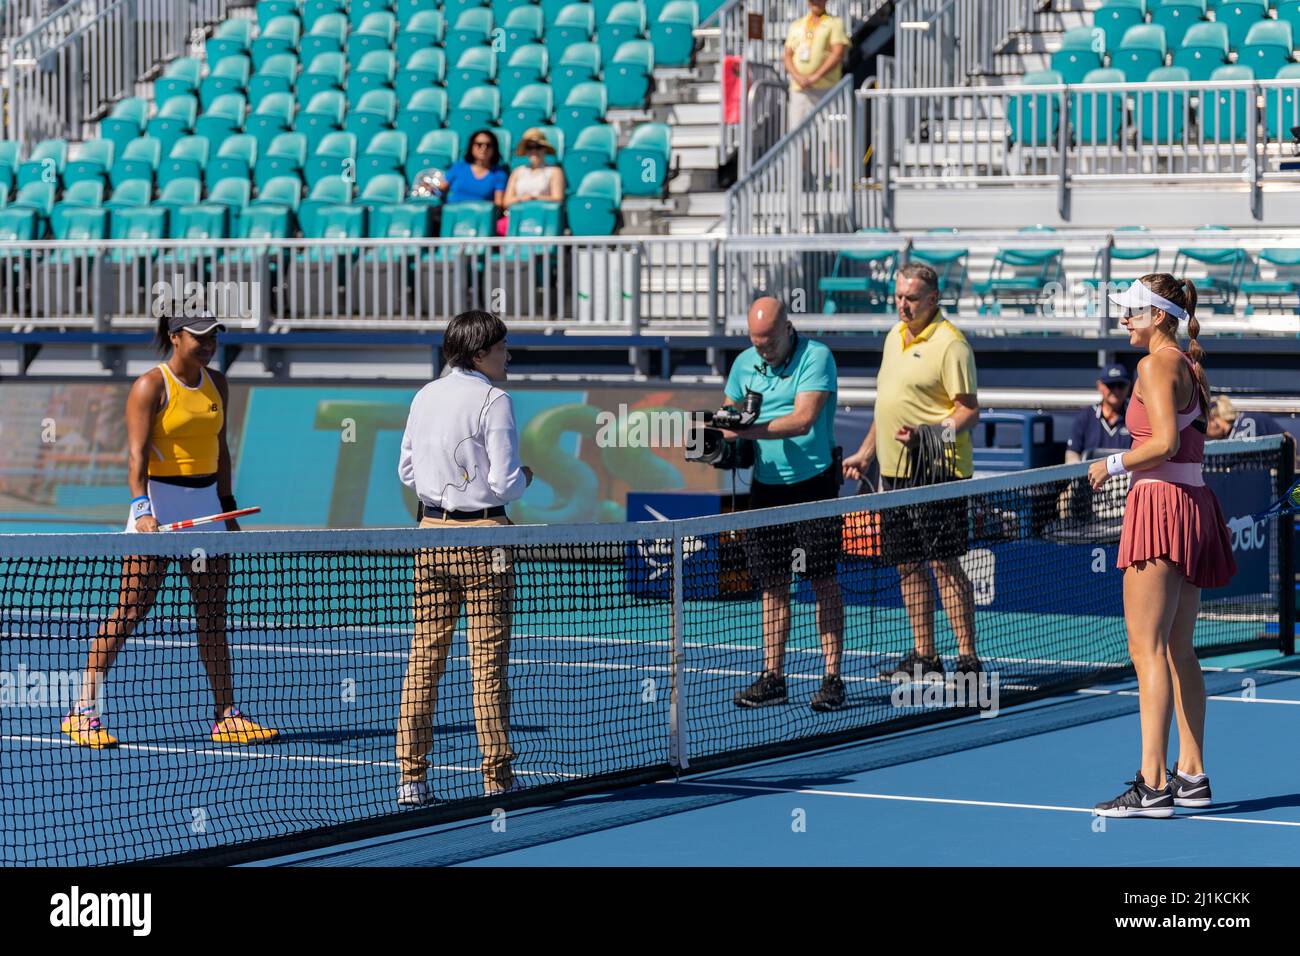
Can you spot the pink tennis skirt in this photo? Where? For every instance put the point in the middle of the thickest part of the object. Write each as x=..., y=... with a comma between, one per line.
x=1183, y=523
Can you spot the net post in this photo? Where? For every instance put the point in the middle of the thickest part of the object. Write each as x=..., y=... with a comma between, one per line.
x=1286, y=552
x=678, y=737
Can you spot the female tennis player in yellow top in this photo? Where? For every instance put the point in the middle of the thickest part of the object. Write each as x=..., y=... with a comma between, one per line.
x=179, y=469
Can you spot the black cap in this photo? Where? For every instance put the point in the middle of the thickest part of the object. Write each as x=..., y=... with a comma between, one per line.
x=197, y=324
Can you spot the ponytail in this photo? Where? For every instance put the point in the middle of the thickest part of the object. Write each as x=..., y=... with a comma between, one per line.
x=162, y=339
x=1194, y=350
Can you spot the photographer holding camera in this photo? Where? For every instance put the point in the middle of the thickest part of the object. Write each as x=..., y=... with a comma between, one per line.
x=784, y=388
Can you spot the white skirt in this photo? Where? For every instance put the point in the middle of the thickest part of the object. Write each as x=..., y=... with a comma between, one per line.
x=178, y=503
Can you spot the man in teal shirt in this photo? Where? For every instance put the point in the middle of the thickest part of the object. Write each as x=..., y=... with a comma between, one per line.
x=794, y=463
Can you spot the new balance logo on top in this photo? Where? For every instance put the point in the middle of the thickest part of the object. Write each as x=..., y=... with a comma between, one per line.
x=78, y=909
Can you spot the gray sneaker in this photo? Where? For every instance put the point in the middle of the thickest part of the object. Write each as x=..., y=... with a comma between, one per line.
x=1186, y=793
x=767, y=690
x=830, y=696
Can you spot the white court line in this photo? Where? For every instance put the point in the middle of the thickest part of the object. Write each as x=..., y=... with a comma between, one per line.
x=1236, y=699
x=947, y=800
x=272, y=755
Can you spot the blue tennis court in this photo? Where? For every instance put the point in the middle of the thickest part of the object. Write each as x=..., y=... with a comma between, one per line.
x=1017, y=790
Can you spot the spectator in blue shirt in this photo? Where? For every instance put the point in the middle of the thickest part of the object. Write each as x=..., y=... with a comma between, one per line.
x=1102, y=425
x=1226, y=422
x=479, y=177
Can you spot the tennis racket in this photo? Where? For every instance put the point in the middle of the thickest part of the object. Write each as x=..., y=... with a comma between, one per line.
x=209, y=519
x=1289, y=503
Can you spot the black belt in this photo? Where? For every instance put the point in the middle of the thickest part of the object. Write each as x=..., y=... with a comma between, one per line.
x=428, y=512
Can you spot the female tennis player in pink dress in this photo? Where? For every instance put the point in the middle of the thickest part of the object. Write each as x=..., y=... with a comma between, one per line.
x=1174, y=543
x=179, y=469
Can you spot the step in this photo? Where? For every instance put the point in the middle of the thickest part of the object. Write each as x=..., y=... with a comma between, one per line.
x=686, y=137
x=696, y=157
x=693, y=180
x=705, y=204
x=692, y=225
x=694, y=114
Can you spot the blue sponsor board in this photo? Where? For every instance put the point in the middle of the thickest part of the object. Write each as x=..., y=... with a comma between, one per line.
x=649, y=564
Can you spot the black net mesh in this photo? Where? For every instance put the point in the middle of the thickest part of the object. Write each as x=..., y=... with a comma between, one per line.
x=551, y=651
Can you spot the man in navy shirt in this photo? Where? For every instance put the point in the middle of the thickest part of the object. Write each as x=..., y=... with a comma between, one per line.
x=1226, y=422
x=1102, y=425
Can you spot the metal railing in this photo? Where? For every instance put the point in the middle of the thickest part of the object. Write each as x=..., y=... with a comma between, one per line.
x=732, y=20
x=1063, y=291
x=1202, y=132
x=71, y=67
x=19, y=16
x=362, y=283
x=941, y=42
x=805, y=182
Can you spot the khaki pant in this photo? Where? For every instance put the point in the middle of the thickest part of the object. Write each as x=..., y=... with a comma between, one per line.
x=481, y=581
x=802, y=102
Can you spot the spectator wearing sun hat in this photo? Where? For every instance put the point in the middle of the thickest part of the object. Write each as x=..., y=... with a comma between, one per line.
x=535, y=182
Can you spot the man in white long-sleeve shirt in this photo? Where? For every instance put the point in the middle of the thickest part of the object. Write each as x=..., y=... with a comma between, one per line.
x=460, y=453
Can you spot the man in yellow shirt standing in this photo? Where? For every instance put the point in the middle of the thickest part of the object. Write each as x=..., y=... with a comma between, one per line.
x=926, y=406
x=814, y=54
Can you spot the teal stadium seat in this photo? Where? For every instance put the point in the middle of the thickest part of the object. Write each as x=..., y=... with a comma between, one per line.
x=1224, y=114
x=595, y=148
x=125, y=122
x=1115, y=18
x=575, y=23
x=1034, y=118
x=386, y=188
x=146, y=226
x=236, y=158
x=89, y=160
x=1225, y=270
x=475, y=67
x=1283, y=290
x=1177, y=17
x=1097, y=118
x=1239, y=16
x=1282, y=105
x=232, y=37
x=187, y=160
x=278, y=74
x=176, y=195
x=1204, y=50
x=325, y=114
x=335, y=157
x=673, y=33
x=1267, y=48
x=1161, y=116
x=950, y=264
x=643, y=164
x=232, y=195
x=423, y=31
x=861, y=272
x=423, y=68
x=132, y=194
x=281, y=35
x=1020, y=275
x=78, y=225
x=329, y=192
x=465, y=220
x=230, y=74
x=398, y=221
x=505, y=141
x=1288, y=11
x=326, y=72
x=273, y=116
x=46, y=163
x=376, y=111
x=18, y=225
x=378, y=31
x=470, y=28
x=584, y=106
x=1075, y=64
x=625, y=21
x=10, y=151
x=629, y=78
x=426, y=111
x=139, y=161
x=84, y=195
x=203, y=221
x=359, y=10
x=1123, y=254
x=314, y=10
x=1142, y=50
x=533, y=105
x=528, y=64
x=180, y=77
x=1091, y=38
x=284, y=191
x=286, y=156
x=385, y=154
x=377, y=70
x=225, y=117
x=174, y=119
x=437, y=149
x=328, y=34
x=580, y=63
x=268, y=10
x=478, y=107
x=523, y=24
x=593, y=208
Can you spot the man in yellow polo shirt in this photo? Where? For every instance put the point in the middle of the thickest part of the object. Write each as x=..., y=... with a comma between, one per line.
x=925, y=408
x=814, y=54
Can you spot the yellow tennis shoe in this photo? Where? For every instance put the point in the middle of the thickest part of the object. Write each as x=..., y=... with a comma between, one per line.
x=235, y=728
x=85, y=729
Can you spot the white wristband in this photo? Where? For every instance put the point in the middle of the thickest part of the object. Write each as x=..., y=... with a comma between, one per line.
x=1115, y=465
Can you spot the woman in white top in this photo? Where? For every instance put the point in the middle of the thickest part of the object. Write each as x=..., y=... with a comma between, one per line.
x=535, y=182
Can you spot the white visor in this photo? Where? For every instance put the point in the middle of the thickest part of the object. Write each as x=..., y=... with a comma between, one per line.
x=1139, y=296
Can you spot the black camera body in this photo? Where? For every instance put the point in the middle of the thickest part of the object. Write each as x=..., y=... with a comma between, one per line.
x=708, y=447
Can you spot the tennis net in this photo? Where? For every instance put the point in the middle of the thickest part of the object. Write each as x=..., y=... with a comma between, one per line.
x=627, y=647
